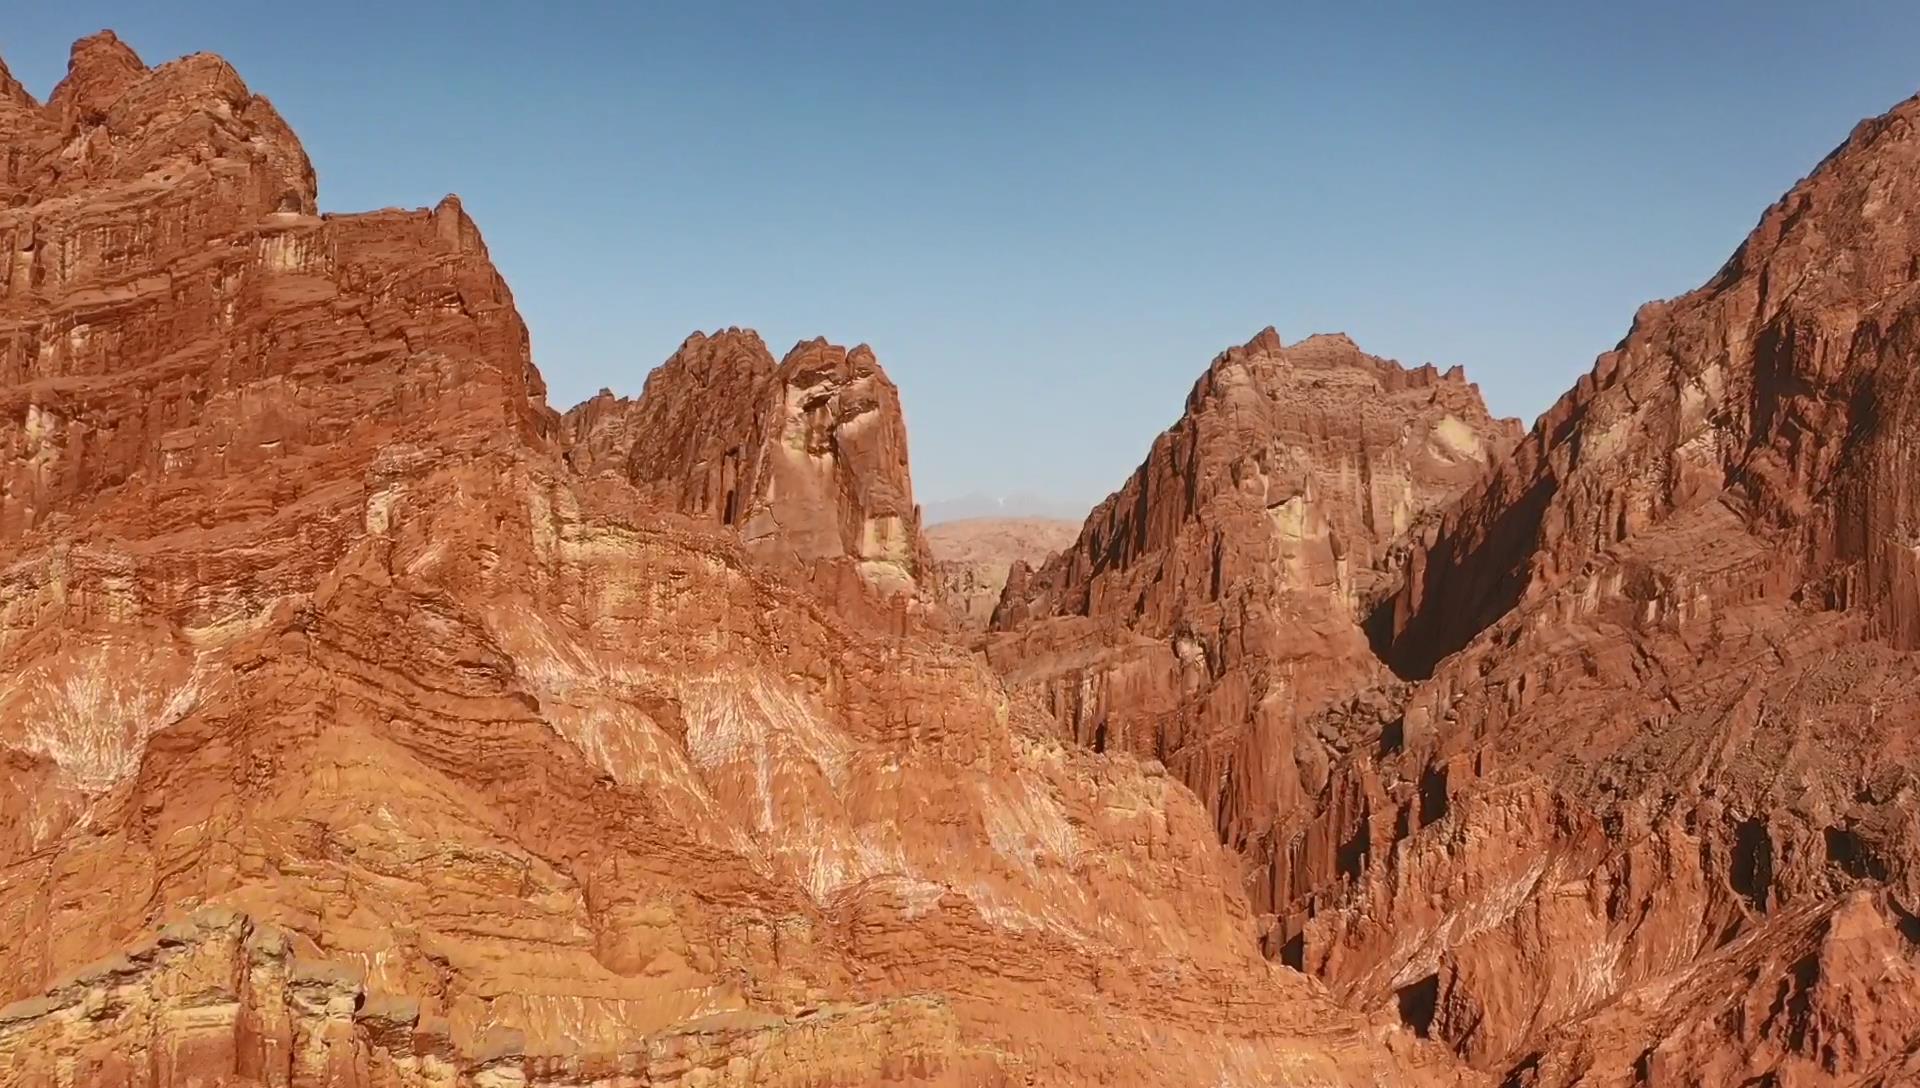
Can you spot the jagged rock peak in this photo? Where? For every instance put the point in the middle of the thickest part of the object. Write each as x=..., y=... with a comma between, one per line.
x=692, y=408
x=731, y=338
x=316, y=652
x=165, y=278
x=114, y=119
x=1285, y=420
x=812, y=361
x=1337, y=351
x=1211, y=607
x=1662, y=664
x=806, y=458
x=12, y=92
x=1774, y=387
x=100, y=68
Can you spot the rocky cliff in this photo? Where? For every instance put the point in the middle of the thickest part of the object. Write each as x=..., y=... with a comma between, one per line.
x=1635, y=803
x=368, y=723
x=1209, y=614
x=807, y=459
x=1648, y=814
x=360, y=730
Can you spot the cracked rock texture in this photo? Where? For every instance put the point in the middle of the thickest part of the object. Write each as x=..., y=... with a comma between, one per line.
x=1624, y=792
x=1636, y=803
x=367, y=723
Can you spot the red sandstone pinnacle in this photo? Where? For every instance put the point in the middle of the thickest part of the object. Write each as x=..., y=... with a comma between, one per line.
x=807, y=459
x=1212, y=606
x=99, y=71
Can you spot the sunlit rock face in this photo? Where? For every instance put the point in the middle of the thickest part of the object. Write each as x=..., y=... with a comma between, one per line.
x=369, y=724
x=1604, y=774
x=806, y=458
x=1639, y=807
x=1659, y=749
x=1210, y=613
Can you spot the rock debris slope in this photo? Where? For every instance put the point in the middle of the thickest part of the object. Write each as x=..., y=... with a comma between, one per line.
x=360, y=730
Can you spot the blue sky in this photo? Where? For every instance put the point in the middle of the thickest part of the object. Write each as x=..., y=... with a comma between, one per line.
x=1046, y=218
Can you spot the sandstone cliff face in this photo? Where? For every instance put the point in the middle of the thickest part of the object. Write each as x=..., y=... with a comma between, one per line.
x=973, y=557
x=1649, y=813
x=360, y=731
x=807, y=459
x=1209, y=614
x=204, y=391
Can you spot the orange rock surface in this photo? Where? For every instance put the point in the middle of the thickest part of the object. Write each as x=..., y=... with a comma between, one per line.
x=368, y=723
x=807, y=459
x=1637, y=804
x=1659, y=760
x=361, y=730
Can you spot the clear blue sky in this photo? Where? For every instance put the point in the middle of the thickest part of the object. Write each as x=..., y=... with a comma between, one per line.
x=1046, y=218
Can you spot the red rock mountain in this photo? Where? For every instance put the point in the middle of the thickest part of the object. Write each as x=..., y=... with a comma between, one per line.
x=1639, y=805
x=1209, y=615
x=1639, y=808
x=360, y=730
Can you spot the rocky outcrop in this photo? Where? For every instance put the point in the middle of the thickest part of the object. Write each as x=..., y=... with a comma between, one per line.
x=208, y=394
x=360, y=731
x=1209, y=615
x=218, y=997
x=1648, y=813
x=807, y=459
x=973, y=556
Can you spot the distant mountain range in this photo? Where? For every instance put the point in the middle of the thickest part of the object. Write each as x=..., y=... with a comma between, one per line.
x=979, y=505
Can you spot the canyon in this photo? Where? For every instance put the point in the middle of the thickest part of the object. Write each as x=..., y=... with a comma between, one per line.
x=369, y=722
x=973, y=557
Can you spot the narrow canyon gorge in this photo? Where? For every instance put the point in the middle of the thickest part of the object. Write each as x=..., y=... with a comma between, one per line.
x=369, y=723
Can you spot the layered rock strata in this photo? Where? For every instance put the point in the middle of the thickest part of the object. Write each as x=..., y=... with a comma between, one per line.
x=1648, y=812
x=360, y=731
x=1209, y=615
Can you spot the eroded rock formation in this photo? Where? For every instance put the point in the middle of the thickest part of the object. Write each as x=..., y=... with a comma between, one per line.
x=1649, y=814
x=360, y=731
x=807, y=459
x=367, y=723
x=1209, y=615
